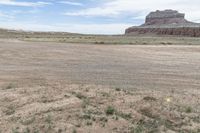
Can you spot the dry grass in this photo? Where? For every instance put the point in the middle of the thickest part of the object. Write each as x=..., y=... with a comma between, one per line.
x=116, y=40
x=98, y=39
x=58, y=109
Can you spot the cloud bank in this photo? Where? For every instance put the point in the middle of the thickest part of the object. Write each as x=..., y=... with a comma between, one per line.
x=121, y=7
x=25, y=4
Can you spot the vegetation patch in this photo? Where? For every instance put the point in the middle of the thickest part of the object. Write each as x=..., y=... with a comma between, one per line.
x=110, y=110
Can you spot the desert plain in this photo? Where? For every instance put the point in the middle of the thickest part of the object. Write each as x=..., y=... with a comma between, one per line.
x=102, y=84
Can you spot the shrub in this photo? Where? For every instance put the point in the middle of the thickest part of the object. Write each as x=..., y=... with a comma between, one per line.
x=188, y=110
x=80, y=96
x=117, y=89
x=10, y=86
x=110, y=110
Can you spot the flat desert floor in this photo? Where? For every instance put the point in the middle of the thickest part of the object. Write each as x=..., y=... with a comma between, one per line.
x=56, y=87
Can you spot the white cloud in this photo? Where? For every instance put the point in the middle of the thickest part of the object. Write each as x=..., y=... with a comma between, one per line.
x=119, y=7
x=3, y=15
x=6, y=16
x=71, y=3
x=26, y=4
x=94, y=12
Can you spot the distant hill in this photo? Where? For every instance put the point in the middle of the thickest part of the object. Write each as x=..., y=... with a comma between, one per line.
x=8, y=33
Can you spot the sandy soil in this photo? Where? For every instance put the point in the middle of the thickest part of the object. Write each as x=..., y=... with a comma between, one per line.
x=53, y=87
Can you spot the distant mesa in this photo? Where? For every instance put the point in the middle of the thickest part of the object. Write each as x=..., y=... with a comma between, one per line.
x=167, y=22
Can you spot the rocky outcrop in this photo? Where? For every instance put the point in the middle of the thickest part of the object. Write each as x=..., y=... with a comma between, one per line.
x=168, y=22
x=165, y=17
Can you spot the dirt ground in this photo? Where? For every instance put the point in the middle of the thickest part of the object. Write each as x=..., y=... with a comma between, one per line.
x=48, y=87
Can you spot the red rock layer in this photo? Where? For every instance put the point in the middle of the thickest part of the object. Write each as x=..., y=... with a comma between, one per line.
x=181, y=31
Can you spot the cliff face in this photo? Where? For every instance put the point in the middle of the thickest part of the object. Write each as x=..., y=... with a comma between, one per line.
x=165, y=17
x=179, y=31
x=168, y=22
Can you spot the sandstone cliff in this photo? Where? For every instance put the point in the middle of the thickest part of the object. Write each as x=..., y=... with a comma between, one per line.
x=168, y=22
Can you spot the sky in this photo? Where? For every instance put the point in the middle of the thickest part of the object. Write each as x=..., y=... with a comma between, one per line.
x=87, y=16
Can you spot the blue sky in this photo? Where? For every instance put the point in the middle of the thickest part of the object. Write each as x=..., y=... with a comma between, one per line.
x=86, y=16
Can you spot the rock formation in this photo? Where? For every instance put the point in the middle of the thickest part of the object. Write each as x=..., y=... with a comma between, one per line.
x=167, y=22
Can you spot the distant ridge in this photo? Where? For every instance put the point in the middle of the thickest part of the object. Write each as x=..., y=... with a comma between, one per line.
x=10, y=33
